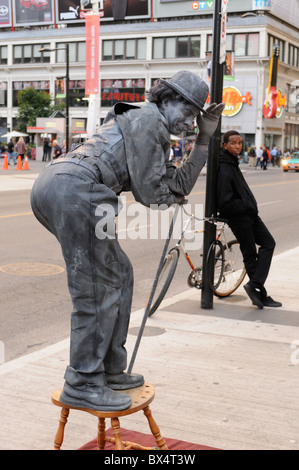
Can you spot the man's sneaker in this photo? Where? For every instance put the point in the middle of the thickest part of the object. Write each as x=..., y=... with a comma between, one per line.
x=269, y=302
x=254, y=293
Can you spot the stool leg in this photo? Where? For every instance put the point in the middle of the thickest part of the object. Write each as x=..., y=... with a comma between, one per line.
x=116, y=433
x=60, y=433
x=154, y=428
x=101, y=434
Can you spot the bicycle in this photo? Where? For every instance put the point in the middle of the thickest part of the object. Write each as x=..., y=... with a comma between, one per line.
x=229, y=270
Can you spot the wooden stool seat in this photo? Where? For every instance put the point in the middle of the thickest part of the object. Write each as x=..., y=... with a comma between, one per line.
x=141, y=398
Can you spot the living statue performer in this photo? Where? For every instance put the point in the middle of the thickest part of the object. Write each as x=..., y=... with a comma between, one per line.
x=130, y=152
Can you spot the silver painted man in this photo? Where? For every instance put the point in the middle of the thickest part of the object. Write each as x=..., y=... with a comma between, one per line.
x=130, y=152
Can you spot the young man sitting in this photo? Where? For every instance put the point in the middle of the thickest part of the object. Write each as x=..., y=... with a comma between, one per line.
x=237, y=204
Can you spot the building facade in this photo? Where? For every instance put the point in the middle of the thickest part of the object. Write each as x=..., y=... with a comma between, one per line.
x=155, y=39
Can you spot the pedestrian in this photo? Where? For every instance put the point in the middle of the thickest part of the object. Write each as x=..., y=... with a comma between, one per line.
x=274, y=154
x=178, y=154
x=237, y=204
x=21, y=148
x=77, y=199
x=265, y=158
x=252, y=156
x=10, y=152
x=46, y=147
x=259, y=155
x=57, y=150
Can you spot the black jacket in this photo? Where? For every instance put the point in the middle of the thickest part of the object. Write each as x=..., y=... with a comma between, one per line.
x=234, y=197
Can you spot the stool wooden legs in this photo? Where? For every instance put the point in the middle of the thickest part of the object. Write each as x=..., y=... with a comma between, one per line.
x=60, y=433
x=101, y=434
x=154, y=428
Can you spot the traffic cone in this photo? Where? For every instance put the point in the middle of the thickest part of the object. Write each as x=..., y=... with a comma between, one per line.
x=19, y=164
x=5, y=163
x=26, y=164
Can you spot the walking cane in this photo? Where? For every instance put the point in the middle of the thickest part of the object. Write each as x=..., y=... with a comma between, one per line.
x=152, y=293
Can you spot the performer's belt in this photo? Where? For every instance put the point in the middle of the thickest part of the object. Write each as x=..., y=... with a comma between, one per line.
x=77, y=161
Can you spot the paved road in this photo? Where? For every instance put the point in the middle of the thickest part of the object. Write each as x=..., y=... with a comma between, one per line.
x=35, y=306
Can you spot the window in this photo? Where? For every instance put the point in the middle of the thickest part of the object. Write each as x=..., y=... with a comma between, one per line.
x=124, y=49
x=30, y=53
x=243, y=44
x=176, y=47
x=77, y=52
x=3, y=94
x=272, y=41
x=293, y=56
x=130, y=91
x=3, y=54
x=77, y=96
x=37, y=85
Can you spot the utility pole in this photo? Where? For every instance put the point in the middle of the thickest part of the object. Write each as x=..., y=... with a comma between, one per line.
x=217, y=69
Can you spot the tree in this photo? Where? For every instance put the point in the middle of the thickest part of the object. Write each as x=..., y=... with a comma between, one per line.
x=33, y=104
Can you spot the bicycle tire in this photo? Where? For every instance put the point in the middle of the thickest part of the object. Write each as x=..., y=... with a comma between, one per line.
x=226, y=288
x=165, y=278
x=218, y=263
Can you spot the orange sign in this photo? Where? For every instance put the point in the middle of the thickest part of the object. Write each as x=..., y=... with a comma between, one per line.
x=92, y=23
x=281, y=103
x=234, y=100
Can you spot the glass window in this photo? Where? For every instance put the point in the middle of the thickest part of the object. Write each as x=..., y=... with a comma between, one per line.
x=130, y=49
x=81, y=52
x=27, y=53
x=107, y=50
x=73, y=52
x=183, y=47
x=141, y=49
x=17, y=52
x=229, y=42
x=195, y=46
x=253, y=44
x=240, y=44
x=158, y=48
x=170, y=48
x=61, y=53
x=3, y=54
x=119, y=49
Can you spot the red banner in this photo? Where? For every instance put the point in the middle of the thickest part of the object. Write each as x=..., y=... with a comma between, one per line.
x=92, y=24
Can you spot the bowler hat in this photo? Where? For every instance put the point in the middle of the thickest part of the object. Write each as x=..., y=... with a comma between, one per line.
x=190, y=86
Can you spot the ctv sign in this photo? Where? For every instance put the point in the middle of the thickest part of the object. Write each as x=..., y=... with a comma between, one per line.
x=261, y=4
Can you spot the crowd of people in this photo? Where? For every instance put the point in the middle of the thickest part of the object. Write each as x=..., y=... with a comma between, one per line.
x=264, y=157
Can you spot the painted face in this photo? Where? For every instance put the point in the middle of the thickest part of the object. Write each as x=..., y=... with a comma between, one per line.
x=179, y=115
x=234, y=145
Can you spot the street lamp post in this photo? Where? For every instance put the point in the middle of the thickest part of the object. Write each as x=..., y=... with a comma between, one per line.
x=217, y=67
x=67, y=89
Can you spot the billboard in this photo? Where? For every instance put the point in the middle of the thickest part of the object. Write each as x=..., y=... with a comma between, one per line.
x=33, y=12
x=5, y=13
x=68, y=11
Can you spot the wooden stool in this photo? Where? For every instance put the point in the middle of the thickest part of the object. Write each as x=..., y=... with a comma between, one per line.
x=141, y=398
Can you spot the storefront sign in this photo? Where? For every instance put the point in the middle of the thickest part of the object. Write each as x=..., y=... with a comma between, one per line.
x=92, y=23
x=281, y=103
x=261, y=4
x=234, y=100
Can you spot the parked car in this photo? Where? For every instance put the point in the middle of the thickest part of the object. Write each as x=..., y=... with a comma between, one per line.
x=292, y=163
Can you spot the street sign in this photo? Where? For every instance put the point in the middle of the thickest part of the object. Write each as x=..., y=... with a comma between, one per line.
x=222, y=54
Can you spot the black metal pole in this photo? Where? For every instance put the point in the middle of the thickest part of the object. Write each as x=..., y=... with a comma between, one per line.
x=67, y=98
x=213, y=162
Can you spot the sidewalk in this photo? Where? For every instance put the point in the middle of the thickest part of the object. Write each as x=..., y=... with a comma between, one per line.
x=225, y=378
x=16, y=180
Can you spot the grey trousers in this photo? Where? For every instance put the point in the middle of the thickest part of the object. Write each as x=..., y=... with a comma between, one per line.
x=65, y=199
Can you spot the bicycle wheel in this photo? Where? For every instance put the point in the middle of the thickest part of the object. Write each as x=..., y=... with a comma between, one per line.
x=217, y=251
x=234, y=270
x=165, y=279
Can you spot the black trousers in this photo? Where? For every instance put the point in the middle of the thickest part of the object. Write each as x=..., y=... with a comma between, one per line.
x=251, y=233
